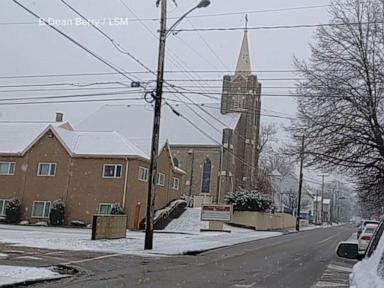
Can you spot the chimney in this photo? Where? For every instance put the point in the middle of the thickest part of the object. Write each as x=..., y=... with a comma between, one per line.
x=59, y=117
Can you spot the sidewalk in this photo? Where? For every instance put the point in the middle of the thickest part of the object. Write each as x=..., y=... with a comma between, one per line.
x=337, y=273
x=11, y=275
x=172, y=243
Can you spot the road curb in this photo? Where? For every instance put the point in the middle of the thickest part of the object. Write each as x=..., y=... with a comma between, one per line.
x=69, y=272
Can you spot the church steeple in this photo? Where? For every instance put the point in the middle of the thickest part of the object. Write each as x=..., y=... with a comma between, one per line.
x=243, y=66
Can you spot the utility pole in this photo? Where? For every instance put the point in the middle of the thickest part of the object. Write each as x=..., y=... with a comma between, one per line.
x=157, y=96
x=148, y=245
x=317, y=207
x=322, y=199
x=300, y=185
x=331, y=207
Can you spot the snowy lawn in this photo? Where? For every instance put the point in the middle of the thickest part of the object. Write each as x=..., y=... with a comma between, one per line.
x=181, y=236
x=19, y=274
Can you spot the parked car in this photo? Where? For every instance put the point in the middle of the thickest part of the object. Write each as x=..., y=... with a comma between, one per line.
x=362, y=225
x=366, y=235
x=369, y=273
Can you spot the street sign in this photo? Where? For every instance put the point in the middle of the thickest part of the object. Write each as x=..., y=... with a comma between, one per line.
x=216, y=213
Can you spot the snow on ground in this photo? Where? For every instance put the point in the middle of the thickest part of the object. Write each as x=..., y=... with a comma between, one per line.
x=312, y=227
x=189, y=221
x=181, y=236
x=19, y=274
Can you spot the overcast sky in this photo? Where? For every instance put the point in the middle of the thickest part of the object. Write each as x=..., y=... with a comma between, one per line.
x=28, y=48
x=32, y=49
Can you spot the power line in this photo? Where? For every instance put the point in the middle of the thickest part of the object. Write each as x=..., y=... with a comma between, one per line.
x=208, y=135
x=121, y=85
x=211, y=94
x=260, y=79
x=277, y=27
x=114, y=43
x=260, y=11
x=213, y=52
x=70, y=96
x=136, y=72
x=106, y=62
x=69, y=101
x=208, y=105
x=81, y=85
x=96, y=88
x=173, y=55
x=198, y=16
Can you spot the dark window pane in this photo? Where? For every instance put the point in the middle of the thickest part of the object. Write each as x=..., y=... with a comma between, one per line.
x=44, y=169
x=109, y=171
x=12, y=168
x=206, y=177
x=118, y=171
x=53, y=169
x=38, y=209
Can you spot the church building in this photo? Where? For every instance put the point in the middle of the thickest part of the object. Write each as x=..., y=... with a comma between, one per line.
x=224, y=162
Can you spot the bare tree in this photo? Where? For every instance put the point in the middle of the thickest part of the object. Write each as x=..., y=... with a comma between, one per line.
x=267, y=137
x=340, y=100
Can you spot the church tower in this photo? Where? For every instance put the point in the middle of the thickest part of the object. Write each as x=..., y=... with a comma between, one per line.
x=241, y=94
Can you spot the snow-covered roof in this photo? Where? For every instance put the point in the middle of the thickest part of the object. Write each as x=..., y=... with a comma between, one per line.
x=17, y=138
x=135, y=123
x=100, y=143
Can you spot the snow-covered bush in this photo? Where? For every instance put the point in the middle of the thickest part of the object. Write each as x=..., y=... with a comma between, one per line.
x=56, y=215
x=249, y=201
x=117, y=209
x=13, y=211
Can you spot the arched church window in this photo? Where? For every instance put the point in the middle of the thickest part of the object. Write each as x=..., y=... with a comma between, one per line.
x=176, y=162
x=206, y=177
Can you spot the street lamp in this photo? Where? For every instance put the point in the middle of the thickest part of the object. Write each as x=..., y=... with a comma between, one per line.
x=202, y=4
x=148, y=245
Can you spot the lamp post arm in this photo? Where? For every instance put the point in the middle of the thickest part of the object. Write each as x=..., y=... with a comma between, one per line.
x=169, y=31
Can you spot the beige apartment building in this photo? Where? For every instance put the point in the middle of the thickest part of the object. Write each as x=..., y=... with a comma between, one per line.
x=89, y=170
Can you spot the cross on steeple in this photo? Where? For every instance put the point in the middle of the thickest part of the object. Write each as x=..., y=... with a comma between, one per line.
x=243, y=66
x=246, y=23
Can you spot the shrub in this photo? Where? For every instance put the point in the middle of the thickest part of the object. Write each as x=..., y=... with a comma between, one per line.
x=117, y=209
x=249, y=201
x=56, y=215
x=13, y=211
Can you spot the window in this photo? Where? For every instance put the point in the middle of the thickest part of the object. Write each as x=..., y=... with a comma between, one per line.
x=3, y=204
x=176, y=162
x=7, y=168
x=41, y=209
x=160, y=179
x=112, y=171
x=143, y=174
x=206, y=177
x=46, y=169
x=105, y=208
x=175, y=183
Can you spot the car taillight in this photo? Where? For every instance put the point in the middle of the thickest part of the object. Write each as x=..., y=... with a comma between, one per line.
x=366, y=238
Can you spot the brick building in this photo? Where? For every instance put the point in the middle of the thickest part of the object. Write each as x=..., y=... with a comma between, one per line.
x=89, y=170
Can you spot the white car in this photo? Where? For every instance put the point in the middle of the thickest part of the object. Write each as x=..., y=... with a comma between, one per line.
x=366, y=236
x=369, y=272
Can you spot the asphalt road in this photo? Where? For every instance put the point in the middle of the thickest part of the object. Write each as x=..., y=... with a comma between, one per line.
x=295, y=260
